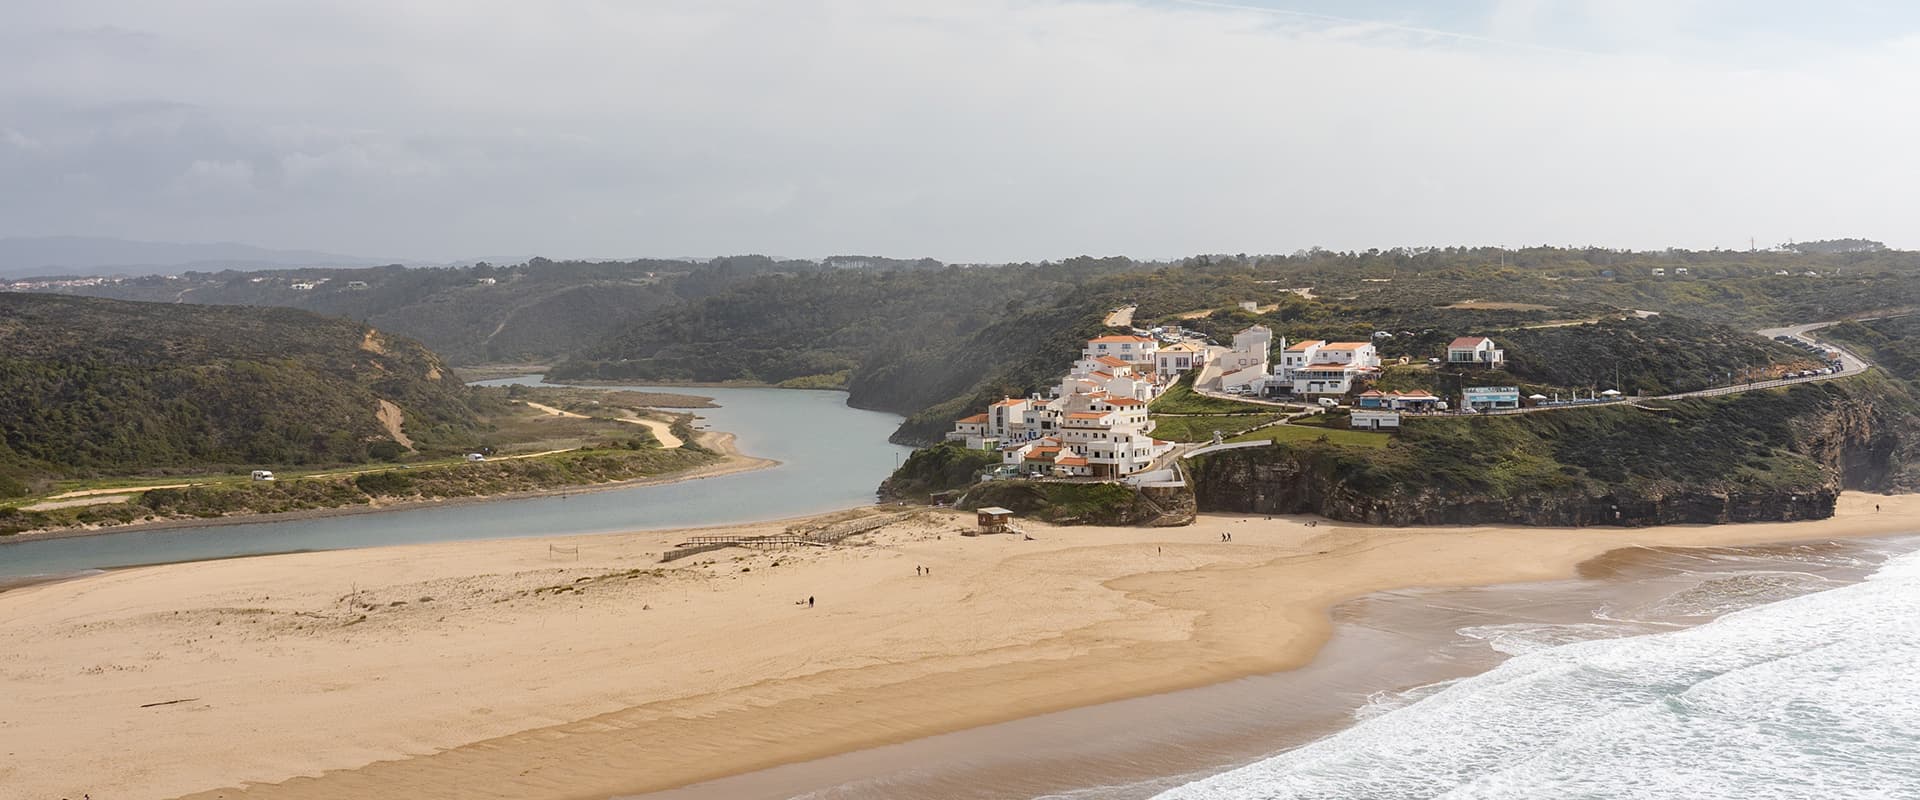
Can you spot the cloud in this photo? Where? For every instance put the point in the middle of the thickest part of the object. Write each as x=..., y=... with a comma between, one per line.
x=970, y=131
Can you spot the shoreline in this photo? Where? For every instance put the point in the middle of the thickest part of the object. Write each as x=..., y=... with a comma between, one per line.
x=733, y=462
x=448, y=701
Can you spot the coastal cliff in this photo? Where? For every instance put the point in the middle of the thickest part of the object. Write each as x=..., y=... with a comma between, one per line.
x=1764, y=456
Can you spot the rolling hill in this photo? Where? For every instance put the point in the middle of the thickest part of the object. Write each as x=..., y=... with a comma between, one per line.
x=94, y=387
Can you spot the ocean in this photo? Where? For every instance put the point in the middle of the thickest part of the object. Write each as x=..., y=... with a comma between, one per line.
x=1813, y=696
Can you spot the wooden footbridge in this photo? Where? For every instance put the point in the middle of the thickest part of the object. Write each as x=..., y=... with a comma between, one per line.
x=822, y=537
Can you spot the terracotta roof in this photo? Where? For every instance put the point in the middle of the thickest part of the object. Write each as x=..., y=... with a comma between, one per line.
x=1348, y=345
x=1112, y=362
x=1376, y=393
x=1301, y=346
x=1108, y=375
x=973, y=419
x=1124, y=401
x=1087, y=415
x=1010, y=402
x=1415, y=395
x=1120, y=340
x=1070, y=461
x=1467, y=342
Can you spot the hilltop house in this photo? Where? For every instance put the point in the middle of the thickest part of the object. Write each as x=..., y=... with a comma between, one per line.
x=1315, y=367
x=1126, y=347
x=1246, y=363
x=1179, y=358
x=1475, y=350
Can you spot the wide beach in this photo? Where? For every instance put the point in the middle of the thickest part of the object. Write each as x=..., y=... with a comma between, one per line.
x=580, y=667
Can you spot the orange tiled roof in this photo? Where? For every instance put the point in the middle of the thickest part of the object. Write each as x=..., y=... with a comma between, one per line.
x=1466, y=342
x=1112, y=362
x=977, y=418
x=1119, y=340
x=1303, y=345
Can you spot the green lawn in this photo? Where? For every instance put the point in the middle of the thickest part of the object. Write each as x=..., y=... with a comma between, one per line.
x=1298, y=433
x=1201, y=428
x=1180, y=398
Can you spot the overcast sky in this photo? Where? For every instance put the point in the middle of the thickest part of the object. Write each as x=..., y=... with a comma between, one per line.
x=965, y=130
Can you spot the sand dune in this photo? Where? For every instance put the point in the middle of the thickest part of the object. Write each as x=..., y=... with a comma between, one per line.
x=580, y=667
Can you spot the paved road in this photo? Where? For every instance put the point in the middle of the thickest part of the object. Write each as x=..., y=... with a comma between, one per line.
x=1121, y=317
x=1850, y=365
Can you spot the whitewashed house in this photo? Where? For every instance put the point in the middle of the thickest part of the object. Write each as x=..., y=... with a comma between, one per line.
x=1475, y=351
x=1374, y=420
x=1316, y=368
x=1126, y=347
x=1179, y=358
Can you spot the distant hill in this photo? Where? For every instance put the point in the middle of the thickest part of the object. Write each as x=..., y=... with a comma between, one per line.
x=537, y=310
x=100, y=387
x=82, y=255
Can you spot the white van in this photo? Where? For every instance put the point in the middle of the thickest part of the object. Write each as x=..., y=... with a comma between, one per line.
x=476, y=457
x=1328, y=402
x=263, y=474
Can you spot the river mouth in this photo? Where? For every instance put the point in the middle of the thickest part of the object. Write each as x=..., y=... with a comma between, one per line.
x=831, y=456
x=1389, y=650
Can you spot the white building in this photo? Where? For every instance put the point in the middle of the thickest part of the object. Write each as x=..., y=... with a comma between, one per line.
x=1179, y=358
x=1475, y=350
x=1375, y=420
x=1126, y=347
x=1317, y=368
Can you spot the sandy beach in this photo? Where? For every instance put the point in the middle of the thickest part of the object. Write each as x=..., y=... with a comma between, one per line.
x=580, y=667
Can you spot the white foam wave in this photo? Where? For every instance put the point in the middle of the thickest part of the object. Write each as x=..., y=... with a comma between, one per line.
x=1807, y=697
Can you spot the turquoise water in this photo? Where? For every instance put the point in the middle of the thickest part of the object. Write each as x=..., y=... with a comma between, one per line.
x=832, y=456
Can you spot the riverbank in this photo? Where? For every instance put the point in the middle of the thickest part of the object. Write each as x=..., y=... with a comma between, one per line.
x=731, y=462
x=580, y=667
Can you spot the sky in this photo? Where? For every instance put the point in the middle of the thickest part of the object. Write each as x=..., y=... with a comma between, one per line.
x=984, y=130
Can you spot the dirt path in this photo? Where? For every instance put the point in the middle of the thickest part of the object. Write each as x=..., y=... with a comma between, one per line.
x=661, y=430
x=392, y=417
x=550, y=410
x=95, y=500
x=118, y=490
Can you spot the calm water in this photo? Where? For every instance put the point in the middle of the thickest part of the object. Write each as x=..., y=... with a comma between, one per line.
x=831, y=457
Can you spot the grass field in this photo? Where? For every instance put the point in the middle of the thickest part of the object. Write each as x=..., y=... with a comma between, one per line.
x=1201, y=428
x=1300, y=433
x=1180, y=398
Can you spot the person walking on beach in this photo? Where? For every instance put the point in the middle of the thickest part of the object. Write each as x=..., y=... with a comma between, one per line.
x=809, y=601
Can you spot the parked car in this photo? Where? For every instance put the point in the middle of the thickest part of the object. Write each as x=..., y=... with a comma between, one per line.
x=263, y=474
x=476, y=457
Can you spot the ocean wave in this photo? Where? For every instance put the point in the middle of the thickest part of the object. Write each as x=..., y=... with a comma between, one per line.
x=1808, y=697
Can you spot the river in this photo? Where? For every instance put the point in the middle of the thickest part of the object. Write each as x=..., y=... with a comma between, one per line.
x=832, y=456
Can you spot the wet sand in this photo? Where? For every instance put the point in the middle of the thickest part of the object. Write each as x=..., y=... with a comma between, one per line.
x=515, y=668
x=1388, y=649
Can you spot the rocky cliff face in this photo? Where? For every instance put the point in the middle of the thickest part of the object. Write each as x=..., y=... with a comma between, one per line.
x=1289, y=481
x=1755, y=459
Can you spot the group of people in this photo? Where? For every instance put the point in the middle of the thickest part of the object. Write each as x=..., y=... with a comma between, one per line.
x=923, y=571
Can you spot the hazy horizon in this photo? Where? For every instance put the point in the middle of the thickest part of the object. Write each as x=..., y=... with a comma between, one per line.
x=995, y=131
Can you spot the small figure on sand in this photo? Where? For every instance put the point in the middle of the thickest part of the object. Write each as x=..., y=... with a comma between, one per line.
x=809, y=601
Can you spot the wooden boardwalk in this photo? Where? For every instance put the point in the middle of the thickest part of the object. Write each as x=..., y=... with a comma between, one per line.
x=829, y=535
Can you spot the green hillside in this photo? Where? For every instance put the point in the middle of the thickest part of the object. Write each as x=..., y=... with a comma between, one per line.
x=99, y=387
